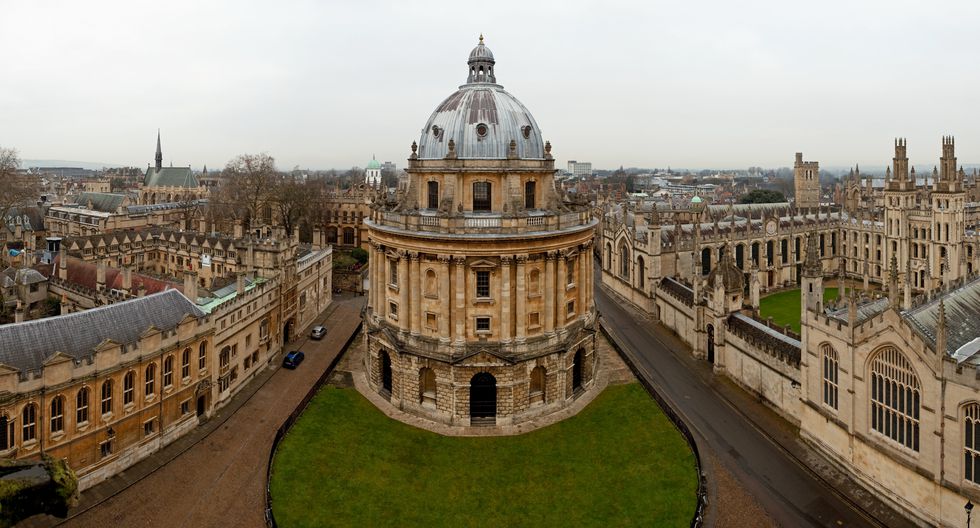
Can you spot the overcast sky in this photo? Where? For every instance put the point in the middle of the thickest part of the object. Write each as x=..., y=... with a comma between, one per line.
x=328, y=84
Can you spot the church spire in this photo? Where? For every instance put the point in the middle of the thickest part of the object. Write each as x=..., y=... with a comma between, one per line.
x=159, y=157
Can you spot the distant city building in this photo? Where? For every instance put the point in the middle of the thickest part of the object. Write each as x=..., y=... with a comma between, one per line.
x=387, y=167
x=372, y=175
x=580, y=168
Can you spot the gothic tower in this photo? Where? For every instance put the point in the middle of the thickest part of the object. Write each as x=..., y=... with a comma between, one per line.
x=899, y=200
x=806, y=183
x=948, y=204
x=159, y=157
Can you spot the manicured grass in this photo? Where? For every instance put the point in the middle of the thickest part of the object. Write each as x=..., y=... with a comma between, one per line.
x=619, y=462
x=784, y=307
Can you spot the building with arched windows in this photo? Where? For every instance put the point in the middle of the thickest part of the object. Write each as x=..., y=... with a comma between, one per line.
x=884, y=381
x=480, y=309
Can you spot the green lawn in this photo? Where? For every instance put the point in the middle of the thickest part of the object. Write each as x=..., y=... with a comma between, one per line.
x=619, y=462
x=784, y=307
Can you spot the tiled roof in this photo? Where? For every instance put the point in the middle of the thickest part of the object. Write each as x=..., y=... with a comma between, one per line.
x=83, y=273
x=170, y=177
x=25, y=346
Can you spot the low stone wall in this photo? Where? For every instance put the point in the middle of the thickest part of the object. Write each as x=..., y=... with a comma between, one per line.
x=349, y=280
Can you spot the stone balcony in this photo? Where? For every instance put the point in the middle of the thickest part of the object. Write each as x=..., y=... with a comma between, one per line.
x=470, y=223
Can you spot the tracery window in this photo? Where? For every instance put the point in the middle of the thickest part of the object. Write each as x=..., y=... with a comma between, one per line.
x=895, y=394
x=830, y=368
x=971, y=443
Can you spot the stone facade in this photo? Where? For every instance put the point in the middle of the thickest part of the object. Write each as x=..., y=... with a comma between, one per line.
x=480, y=308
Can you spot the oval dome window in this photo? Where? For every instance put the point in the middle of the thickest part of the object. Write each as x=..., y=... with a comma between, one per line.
x=481, y=130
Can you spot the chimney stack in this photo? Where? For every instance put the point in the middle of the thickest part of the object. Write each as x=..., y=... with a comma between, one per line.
x=190, y=285
x=141, y=290
x=127, y=279
x=19, y=313
x=240, y=282
x=63, y=263
x=100, y=275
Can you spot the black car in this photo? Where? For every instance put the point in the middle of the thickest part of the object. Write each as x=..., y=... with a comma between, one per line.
x=318, y=332
x=293, y=359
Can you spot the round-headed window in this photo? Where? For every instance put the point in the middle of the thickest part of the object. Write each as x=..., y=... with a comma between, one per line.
x=526, y=130
x=481, y=130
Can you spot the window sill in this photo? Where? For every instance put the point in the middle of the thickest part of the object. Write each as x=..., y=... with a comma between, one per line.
x=393, y=287
x=29, y=444
x=483, y=300
x=534, y=328
x=56, y=437
x=150, y=399
x=82, y=427
x=483, y=333
x=569, y=287
x=533, y=295
x=107, y=416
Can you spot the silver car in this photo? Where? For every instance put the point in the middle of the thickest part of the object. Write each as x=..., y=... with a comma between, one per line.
x=318, y=332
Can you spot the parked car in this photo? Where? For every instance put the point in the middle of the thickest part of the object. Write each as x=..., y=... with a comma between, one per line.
x=318, y=332
x=293, y=359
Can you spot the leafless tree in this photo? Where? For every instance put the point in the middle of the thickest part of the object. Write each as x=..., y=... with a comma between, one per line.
x=292, y=199
x=247, y=188
x=16, y=189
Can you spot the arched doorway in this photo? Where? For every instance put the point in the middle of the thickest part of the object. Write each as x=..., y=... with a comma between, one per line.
x=483, y=399
x=385, y=374
x=577, y=371
x=287, y=331
x=711, y=344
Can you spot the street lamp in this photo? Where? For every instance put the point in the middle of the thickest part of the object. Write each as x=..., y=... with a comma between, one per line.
x=969, y=508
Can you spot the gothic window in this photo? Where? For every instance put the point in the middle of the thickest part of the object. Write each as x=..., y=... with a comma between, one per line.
x=624, y=261
x=971, y=443
x=349, y=236
x=57, y=414
x=830, y=368
x=895, y=394
x=29, y=424
x=129, y=383
x=81, y=406
x=483, y=284
x=608, y=256
x=529, y=188
x=433, y=188
x=640, y=272
x=151, y=375
x=755, y=253
x=706, y=260
x=784, y=250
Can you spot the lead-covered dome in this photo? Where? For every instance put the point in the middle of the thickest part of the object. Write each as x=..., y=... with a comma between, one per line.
x=481, y=119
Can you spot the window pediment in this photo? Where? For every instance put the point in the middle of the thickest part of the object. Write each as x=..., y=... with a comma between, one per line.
x=483, y=264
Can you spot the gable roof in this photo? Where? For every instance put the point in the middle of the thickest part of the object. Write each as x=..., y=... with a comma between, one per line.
x=104, y=202
x=962, y=307
x=26, y=346
x=170, y=177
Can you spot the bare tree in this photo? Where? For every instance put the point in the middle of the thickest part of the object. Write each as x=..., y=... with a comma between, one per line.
x=16, y=189
x=292, y=200
x=247, y=188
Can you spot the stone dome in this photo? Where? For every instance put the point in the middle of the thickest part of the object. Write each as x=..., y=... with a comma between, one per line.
x=481, y=119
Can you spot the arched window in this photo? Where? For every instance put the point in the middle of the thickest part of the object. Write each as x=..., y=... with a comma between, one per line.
x=129, y=384
x=534, y=281
x=151, y=375
x=529, y=188
x=705, y=261
x=830, y=368
x=433, y=188
x=81, y=406
x=106, y=397
x=609, y=257
x=349, y=236
x=431, y=283
x=427, y=387
x=57, y=414
x=536, y=392
x=971, y=443
x=624, y=261
x=202, y=356
x=29, y=422
x=168, y=372
x=331, y=235
x=185, y=363
x=481, y=196
x=895, y=393
x=6, y=432
x=570, y=271
x=640, y=272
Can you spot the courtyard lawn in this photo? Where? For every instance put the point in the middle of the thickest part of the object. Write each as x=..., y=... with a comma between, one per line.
x=784, y=307
x=619, y=462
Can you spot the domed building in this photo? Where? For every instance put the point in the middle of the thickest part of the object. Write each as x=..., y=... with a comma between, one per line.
x=481, y=306
x=372, y=174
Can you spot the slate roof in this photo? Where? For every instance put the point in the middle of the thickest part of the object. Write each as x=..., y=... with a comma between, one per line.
x=865, y=310
x=29, y=218
x=25, y=346
x=962, y=307
x=170, y=177
x=104, y=202
x=85, y=274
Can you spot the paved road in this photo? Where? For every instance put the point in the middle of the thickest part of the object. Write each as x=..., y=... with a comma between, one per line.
x=789, y=493
x=220, y=481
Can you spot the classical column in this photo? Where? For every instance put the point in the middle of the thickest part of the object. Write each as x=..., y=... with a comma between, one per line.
x=520, y=323
x=416, y=286
x=445, y=299
x=505, y=297
x=459, y=315
x=549, y=292
x=582, y=285
x=404, y=312
x=561, y=286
